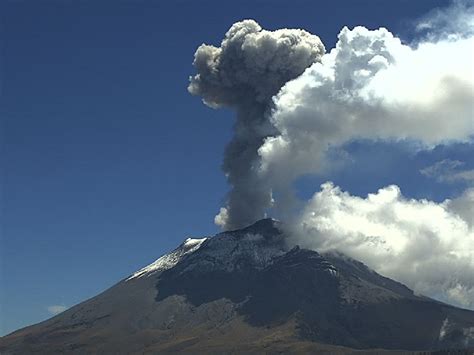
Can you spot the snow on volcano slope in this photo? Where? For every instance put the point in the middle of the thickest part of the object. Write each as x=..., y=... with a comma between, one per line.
x=169, y=260
x=255, y=245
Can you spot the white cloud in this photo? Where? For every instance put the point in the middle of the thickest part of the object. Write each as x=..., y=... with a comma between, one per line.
x=371, y=86
x=455, y=20
x=463, y=206
x=450, y=171
x=56, y=309
x=426, y=245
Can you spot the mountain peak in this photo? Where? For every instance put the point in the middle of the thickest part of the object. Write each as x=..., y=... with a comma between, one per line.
x=266, y=226
x=247, y=238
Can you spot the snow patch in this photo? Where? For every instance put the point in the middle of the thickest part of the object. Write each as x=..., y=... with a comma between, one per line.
x=169, y=260
x=444, y=329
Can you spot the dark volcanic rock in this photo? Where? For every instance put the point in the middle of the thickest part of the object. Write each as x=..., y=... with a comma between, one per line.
x=244, y=291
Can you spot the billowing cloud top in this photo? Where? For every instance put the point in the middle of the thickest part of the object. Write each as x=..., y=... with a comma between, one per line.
x=252, y=63
x=371, y=86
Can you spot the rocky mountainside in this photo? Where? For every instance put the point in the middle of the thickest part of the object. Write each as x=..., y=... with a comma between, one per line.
x=246, y=291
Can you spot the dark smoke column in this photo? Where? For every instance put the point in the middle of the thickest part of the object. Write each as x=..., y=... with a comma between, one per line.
x=244, y=73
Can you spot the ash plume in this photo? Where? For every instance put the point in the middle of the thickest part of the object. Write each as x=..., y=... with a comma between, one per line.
x=244, y=73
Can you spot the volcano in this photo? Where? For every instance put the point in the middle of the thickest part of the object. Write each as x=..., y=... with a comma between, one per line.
x=247, y=291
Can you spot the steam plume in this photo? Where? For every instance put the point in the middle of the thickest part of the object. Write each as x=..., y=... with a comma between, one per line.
x=371, y=86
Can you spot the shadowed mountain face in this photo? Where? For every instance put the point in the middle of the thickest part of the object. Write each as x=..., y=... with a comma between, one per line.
x=245, y=291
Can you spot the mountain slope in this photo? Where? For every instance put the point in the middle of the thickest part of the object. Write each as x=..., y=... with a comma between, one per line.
x=246, y=291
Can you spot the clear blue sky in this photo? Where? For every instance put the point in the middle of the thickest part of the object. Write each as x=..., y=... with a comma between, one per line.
x=108, y=162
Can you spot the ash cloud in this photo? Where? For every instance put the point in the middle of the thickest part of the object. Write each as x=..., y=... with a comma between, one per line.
x=244, y=73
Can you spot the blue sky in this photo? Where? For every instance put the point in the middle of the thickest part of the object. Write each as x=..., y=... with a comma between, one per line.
x=108, y=161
